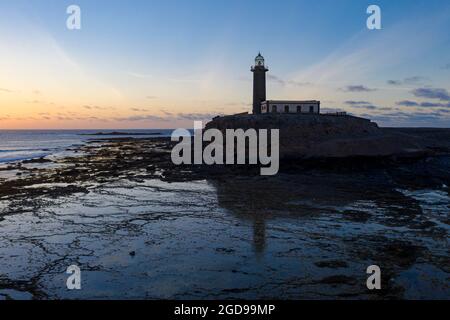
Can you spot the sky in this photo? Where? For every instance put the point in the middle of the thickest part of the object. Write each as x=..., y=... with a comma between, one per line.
x=164, y=64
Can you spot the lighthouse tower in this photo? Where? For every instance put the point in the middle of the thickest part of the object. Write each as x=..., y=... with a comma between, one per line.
x=259, y=83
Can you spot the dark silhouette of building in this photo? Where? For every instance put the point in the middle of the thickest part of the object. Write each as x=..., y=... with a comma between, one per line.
x=263, y=106
x=259, y=83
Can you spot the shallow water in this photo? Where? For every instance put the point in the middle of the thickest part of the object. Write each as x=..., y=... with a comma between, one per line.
x=16, y=145
x=296, y=236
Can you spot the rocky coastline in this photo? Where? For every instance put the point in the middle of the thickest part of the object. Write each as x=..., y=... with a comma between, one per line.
x=312, y=136
x=119, y=206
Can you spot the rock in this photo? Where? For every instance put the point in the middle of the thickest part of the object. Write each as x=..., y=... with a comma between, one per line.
x=312, y=136
x=38, y=160
x=333, y=264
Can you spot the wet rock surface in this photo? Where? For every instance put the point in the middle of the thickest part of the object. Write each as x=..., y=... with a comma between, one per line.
x=140, y=227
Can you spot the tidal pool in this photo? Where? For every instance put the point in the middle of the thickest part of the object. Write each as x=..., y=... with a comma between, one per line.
x=294, y=236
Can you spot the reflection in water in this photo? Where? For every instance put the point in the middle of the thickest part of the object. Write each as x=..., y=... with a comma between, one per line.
x=259, y=234
x=313, y=234
x=343, y=219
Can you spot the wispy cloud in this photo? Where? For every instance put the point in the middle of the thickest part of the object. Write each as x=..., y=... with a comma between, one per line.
x=169, y=117
x=394, y=82
x=282, y=82
x=408, y=81
x=35, y=102
x=353, y=103
x=139, y=110
x=407, y=103
x=139, y=75
x=426, y=104
x=361, y=105
x=357, y=88
x=88, y=107
x=432, y=93
x=197, y=116
x=141, y=118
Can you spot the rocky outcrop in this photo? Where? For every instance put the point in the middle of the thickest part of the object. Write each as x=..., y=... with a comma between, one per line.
x=329, y=136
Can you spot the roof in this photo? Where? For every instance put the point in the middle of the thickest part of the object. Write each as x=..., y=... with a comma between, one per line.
x=292, y=101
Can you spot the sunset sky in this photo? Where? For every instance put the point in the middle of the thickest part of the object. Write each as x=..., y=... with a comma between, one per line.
x=162, y=64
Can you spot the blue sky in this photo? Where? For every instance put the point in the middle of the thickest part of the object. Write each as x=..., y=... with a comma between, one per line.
x=164, y=63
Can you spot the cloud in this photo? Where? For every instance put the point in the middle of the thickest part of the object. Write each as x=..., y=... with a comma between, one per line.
x=446, y=67
x=408, y=103
x=151, y=97
x=140, y=75
x=432, y=93
x=167, y=113
x=413, y=80
x=96, y=107
x=430, y=104
x=284, y=83
x=35, y=102
x=139, y=110
x=5, y=90
x=170, y=117
x=361, y=104
x=197, y=116
x=407, y=81
x=410, y=117
x=425, y=104
x=352, y=103
x=275, y=79
x=369, y=107
x=394, y=82
x=357, y=88
x=141, y=118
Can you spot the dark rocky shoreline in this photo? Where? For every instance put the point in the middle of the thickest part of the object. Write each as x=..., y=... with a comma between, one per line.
x=311, y=229
x=310, y=136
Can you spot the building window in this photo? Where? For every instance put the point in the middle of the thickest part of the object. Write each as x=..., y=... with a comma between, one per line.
x=286, y=109
x=274, y=109
x=299, y=109
x=311, y=109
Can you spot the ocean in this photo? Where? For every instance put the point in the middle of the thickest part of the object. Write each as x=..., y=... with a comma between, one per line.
x=17, y=145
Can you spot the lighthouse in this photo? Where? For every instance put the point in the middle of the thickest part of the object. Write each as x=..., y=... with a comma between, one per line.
x=259, y=83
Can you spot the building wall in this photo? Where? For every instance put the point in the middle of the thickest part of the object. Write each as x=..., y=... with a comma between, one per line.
x=305, y=107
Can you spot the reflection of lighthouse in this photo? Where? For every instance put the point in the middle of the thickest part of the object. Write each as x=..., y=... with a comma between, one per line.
x=259, y=234
x=246, y=201
x=259, y=83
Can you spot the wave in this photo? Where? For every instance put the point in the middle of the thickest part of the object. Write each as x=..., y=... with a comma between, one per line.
x=27, y=150
x=16, y=156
